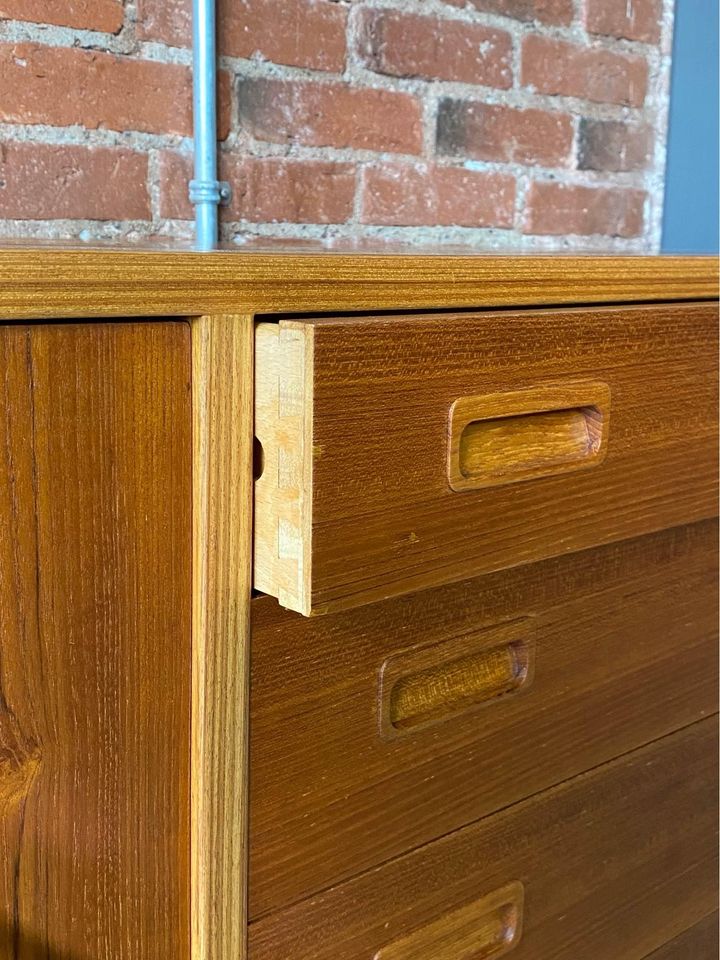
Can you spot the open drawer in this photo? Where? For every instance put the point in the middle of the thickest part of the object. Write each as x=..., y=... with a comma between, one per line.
x=404, y=452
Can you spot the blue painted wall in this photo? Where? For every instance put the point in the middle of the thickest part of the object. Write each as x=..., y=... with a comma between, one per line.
x=690, y=221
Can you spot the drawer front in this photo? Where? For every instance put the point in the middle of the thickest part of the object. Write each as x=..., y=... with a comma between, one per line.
x=378, y=730
x=402, y=453
x=607, y=866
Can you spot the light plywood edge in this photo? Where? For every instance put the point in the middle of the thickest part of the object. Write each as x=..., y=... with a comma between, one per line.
x=222, y=551
x=283, y=491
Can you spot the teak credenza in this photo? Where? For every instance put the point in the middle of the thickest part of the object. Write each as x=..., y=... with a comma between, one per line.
x=357, y=606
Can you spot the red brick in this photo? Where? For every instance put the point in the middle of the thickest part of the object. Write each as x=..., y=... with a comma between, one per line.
x=266, y=189
x=302, y=33
x=405, y=45
x=631, y=19
x=556, y=12
x=558, y=209
x=397, y=195
x=330, y=114
x=484, y=131
x=63, y=86
x=612, y=145
x=104, y=15
x=46, y=182
x=593, y=73
x=169, y=21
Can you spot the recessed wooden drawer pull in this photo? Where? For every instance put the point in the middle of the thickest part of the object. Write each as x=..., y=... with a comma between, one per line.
x=482, y=930
x=439, y=690
x=426, y=685
x=507, y=437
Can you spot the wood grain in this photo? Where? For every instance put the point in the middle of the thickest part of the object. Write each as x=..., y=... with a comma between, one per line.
x=283, y=490
x=625, y=652
x=48, y=281
x=525, y=434
x=482, y=930
x=432, y=683
x=614, y=863
x=95, y=580
x=222, y=557
x=700, y=942
x=384, y=519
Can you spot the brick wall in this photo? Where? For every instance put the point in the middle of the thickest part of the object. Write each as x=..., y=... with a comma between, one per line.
x=501, y=123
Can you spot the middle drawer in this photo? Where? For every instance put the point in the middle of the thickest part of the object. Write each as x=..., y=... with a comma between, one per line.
x=375, y=731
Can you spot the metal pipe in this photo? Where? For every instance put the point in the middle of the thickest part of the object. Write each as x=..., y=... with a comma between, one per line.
x=206, y=191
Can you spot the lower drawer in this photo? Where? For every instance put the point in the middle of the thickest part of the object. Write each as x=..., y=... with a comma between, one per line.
x=379, y=730
x=608, y=866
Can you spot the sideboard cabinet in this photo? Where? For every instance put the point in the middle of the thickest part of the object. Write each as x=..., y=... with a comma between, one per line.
x=357, y=606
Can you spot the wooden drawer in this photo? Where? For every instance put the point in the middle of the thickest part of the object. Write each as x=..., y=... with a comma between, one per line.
x=608, y=866
x=377, y=730
x=401, y=453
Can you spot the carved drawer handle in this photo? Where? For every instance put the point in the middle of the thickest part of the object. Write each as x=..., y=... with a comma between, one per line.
x=430, y=684
x=507, y=437
x=482, y=930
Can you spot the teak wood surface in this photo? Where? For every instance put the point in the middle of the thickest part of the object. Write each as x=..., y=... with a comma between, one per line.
x=529, y=433
x=125, y=560
x=625, y=652
x=615, y=863
x=222, y=532
x=700, y=942
x=487, y=928
x=375, y=515
x=52, y=281
x=95, y=591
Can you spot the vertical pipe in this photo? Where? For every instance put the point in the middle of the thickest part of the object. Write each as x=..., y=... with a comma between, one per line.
x=205, y=189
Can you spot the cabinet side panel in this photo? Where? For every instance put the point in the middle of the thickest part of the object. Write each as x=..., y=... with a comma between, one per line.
x=95, y=614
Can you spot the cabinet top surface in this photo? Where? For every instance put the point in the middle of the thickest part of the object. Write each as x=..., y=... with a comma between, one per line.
x=54, y=282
